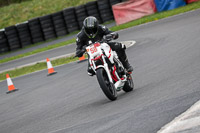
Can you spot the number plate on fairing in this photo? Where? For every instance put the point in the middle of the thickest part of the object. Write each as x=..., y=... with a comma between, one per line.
x=93, y=48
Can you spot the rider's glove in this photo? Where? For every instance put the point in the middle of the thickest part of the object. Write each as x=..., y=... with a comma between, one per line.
x=79, y=53
x=111, y=36
x=115, y=35
x=108, y=37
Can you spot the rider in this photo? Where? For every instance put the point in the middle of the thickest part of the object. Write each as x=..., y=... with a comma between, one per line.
x=92, y=31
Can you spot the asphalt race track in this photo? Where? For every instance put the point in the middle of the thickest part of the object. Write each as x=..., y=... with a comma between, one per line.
x=166, y=60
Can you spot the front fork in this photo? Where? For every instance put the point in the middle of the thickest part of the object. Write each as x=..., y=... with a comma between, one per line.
x=107, y=70
x=119, y=82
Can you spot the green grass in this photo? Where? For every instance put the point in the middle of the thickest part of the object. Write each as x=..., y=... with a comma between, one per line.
x=36, y=67
x=9, y=2
x=20, y=12
x=40, y=66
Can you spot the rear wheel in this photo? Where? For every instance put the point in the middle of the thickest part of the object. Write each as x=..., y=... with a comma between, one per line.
x=107, y=87
x=129, y=85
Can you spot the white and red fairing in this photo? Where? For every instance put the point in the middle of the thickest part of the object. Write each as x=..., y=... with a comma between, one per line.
x=95, y=52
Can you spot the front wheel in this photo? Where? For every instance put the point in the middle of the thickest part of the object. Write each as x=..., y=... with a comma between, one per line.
x=107, y=87
x=129, y=85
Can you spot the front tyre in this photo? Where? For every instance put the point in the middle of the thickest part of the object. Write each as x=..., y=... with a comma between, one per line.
x=129, y=85
x=107, y=87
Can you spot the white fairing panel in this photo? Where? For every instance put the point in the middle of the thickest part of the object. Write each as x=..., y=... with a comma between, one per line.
x=109, y=53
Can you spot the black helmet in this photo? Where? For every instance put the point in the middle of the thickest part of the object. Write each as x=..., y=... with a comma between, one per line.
x=90, y=25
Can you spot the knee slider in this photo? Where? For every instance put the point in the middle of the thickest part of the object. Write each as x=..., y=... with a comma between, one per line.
x=120, y=47
x=123, y=46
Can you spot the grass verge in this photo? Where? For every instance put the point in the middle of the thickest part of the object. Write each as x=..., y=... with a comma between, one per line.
x=49, y=47
x=20, y=12
x=36, y=67
x=39, y=66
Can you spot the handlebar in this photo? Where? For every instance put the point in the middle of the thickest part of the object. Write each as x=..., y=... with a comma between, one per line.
x=105, y=39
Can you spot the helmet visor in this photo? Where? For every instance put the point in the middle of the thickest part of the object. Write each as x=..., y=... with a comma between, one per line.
x=91, y=31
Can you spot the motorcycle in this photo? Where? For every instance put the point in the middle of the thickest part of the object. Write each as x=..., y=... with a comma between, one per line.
x=111, y=74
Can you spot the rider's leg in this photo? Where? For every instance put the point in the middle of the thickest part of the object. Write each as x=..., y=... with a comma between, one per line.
x=90, y=70
x=120, y=50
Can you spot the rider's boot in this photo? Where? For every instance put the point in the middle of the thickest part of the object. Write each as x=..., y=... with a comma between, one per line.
x=90, y=71
x=127, y=65
x=123, y=58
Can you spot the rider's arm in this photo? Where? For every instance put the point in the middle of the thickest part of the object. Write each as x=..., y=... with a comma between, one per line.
x=79, y=48
x=106, y=31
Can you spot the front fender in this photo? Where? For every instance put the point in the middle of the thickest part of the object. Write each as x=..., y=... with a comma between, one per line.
x=100, y=66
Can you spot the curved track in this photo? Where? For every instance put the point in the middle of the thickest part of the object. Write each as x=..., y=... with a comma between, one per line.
x=166, y=59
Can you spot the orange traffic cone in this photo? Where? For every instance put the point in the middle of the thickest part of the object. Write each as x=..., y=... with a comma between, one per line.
x=82, y=58
x=50, y=68
x=11, y=87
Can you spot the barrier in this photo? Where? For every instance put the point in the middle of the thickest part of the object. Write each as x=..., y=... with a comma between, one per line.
x=113, y=2
x=13, y=37
x=81, y=14
x=36, y=30
x=24, y=34
x=92, y=10
x=70, y=19
x=163, y=5
x=59, y=24
x=105, y=10
x=132, y=9
x=47, y=27
x=191, y=1
x=3, y=42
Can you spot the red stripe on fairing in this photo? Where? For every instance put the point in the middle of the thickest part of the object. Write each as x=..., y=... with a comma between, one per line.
x=110, y=53
x=114, y=77
x=109, y=56
x=110, y=50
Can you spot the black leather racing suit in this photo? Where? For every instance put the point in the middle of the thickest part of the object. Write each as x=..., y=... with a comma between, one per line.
x=83, y=39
